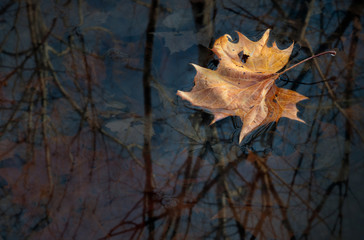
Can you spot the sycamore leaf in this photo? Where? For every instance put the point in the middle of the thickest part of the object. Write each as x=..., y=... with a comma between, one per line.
x=243, y=85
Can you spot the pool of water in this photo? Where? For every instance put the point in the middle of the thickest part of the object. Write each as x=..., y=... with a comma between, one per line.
x=95, y=143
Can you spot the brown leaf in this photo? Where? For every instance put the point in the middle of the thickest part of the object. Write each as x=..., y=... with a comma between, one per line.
x=243, y=84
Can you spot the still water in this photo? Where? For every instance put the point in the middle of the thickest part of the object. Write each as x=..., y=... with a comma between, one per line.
x=95, y=143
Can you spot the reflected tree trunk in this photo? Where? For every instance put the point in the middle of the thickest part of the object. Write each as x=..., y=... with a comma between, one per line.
x=38, y=32
x=148, y=121
x=204, y=12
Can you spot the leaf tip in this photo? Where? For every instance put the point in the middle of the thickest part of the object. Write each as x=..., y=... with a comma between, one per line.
x=241, y=137
x=197, y=67
x=228, y=37
x=181, y=94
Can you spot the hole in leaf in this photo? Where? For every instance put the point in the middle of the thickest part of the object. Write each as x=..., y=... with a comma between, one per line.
x=213, y=64
x=243, y=57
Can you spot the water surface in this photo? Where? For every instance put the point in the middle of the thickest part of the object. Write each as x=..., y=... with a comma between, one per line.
x=95, y=144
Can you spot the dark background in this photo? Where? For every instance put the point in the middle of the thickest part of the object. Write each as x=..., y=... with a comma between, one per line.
x=95, y=144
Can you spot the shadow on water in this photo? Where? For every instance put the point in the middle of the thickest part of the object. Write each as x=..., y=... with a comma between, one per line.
x=95, y=144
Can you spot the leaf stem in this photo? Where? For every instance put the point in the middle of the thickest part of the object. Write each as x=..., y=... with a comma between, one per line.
x=332, y=52
x=312, y=83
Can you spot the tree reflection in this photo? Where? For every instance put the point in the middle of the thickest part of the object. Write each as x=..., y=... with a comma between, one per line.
x=95, y=144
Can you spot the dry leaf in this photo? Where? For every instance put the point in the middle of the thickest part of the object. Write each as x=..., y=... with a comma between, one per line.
x=243, y=84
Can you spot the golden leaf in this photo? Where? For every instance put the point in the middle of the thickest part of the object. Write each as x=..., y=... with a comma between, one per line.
x=245, y=88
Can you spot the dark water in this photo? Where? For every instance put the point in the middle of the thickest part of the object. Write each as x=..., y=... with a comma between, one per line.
x=95, y=144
